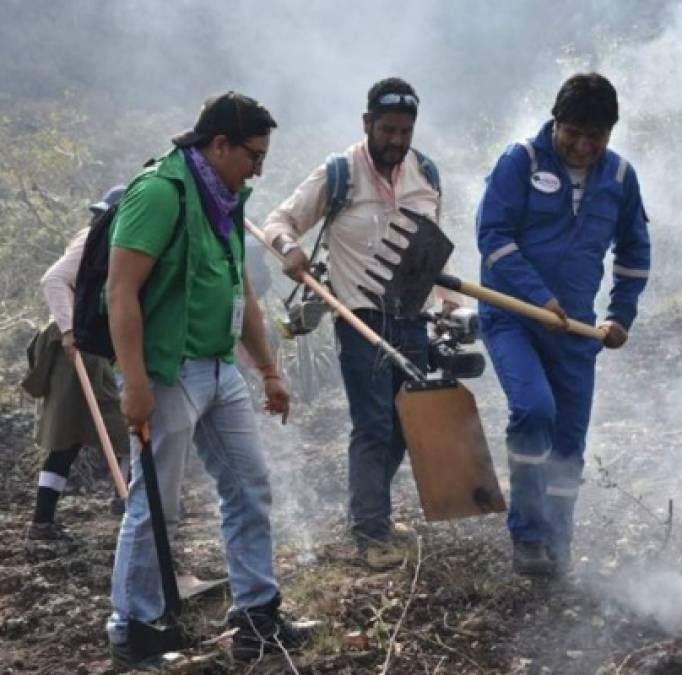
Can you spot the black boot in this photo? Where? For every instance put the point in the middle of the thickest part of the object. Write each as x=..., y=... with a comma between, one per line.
x=530, y=559
x=263, y=630
x=562, y=559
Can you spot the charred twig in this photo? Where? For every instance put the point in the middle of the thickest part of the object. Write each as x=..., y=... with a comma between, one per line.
x=454, y=629
x=668, y=526
x=458, y=652
x=440, y=663
x=10, y=322
x=410, y=597
x=607, y=482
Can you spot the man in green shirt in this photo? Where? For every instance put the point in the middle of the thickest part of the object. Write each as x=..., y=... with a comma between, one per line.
x=179, y=301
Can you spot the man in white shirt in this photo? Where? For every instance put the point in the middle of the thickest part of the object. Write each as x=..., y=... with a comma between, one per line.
x=384, y=175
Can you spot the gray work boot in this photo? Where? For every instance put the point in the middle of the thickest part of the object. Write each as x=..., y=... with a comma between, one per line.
x=530, y=559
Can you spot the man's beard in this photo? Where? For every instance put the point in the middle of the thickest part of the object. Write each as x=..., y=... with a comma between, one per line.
x=388, y=157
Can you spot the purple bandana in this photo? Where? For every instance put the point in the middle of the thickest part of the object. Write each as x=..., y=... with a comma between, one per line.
x=218, y=202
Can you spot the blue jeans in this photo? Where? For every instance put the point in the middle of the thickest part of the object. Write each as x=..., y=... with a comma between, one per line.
x=376, y=445
x=210, y=405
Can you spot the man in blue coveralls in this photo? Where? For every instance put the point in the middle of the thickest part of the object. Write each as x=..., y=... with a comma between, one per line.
x=552, y=207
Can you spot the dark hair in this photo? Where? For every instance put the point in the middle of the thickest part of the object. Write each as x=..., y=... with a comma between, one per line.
x=587, y=100
x=392, y=85
x=233, y=115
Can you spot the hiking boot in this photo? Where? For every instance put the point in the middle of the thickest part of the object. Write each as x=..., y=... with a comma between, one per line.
x=382, y=555
x=402, y=533
x=49, y=532
x=264, y=630
x=562, y=560
x=530, y=559
x=122, y=660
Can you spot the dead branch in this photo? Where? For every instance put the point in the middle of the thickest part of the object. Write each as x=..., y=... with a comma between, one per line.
x=410, y=597
x=286, y=655
x=609, y=483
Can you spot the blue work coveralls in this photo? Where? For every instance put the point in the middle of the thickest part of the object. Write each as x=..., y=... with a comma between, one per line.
x=534, y=248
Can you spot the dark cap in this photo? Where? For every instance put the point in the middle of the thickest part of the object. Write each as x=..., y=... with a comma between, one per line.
x=232, y=115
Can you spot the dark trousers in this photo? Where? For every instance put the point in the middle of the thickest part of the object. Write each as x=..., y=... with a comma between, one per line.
x=376, y=446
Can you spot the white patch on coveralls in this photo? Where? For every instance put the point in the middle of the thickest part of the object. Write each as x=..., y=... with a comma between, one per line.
x=545, y=182
x=500, y=253
x=555, y=491
x=630, y=272
x=528, y=459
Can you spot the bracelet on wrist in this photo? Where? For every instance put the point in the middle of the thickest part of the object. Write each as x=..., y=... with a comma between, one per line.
x=271, y=377
x=268, y=369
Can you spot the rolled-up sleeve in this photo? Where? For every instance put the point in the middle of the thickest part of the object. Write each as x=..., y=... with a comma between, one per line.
x=59, y=282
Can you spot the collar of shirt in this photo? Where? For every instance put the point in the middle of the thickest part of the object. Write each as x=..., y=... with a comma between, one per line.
x=386, y=190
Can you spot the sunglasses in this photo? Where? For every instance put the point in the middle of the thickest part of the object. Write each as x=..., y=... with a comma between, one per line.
x=406, y=100
x=257, y=156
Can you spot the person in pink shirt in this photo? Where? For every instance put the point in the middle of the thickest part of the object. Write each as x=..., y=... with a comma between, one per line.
x=64, y=423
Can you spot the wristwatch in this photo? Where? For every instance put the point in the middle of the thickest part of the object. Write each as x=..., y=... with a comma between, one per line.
x=287, y=247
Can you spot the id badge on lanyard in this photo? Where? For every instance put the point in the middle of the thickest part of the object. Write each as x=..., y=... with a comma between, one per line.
x=238, y=300
x=238, y=304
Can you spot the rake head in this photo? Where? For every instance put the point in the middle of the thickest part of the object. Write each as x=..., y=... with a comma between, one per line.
x=411, y=279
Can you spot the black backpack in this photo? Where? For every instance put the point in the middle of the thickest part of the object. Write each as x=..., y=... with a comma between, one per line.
x=90, y=319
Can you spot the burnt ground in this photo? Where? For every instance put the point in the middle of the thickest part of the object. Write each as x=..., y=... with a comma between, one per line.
x=453, y=607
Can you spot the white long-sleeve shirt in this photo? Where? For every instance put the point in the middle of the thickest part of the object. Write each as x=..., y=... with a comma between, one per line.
x=355, y=234
x=59, y=282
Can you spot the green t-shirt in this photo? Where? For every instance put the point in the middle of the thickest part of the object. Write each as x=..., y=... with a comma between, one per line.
x=147, y=221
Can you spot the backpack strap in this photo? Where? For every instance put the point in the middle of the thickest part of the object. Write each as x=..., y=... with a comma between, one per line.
x=338, y=185
x=429, y=169
x=338, y=190
x=530, y=149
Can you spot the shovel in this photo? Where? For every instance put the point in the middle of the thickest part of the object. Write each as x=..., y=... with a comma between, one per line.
x=412, y=257
x=91, y=400
x=449, y=454
x=189, y=585
x=166, y=634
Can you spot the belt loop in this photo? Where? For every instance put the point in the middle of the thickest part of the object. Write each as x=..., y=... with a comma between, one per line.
x=217, y=369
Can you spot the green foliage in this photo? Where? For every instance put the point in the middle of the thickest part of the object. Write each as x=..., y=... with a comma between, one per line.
x=46, y=178
x=55, y=159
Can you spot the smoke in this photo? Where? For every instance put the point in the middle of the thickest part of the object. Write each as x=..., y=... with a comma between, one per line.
x=651, y=592
x=486, y=72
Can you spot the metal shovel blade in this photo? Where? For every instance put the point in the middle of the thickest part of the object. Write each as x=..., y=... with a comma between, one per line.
x=191, y=587
x=448, y=450
x=414, y=276
x=146, y=638
x=154, y=639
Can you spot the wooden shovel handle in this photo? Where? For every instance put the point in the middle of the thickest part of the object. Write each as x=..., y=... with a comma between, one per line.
x=321, y=290
x=512, y=304
x=100, y=426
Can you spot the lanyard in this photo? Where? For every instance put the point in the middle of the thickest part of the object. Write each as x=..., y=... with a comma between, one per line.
x=383, y=188
x=231, y=264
